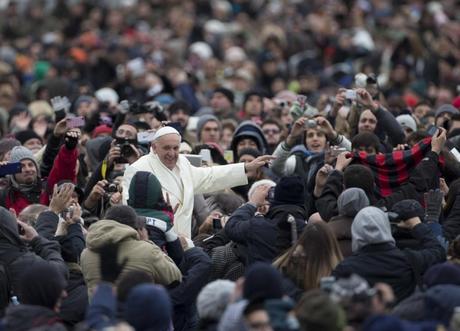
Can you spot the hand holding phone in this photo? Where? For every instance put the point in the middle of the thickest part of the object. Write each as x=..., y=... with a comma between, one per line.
x=76, y=122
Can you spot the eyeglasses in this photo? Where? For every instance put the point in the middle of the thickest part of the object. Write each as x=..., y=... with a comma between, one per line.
x=271, y=131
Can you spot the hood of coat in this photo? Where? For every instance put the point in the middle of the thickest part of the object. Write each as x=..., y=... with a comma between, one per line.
x=106, y=232
x=9, y=229
x=146, y=197
x=248, y=129
x=370, y=226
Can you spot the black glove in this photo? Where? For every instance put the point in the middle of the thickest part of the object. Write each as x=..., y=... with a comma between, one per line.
x=109, y=266
x=433, y=203
x=70, y=142
x=407, y=209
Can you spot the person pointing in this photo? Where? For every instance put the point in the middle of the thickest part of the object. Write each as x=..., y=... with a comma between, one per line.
x=180, y=180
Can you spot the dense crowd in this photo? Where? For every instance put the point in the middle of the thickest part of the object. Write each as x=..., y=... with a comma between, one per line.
x=243, y=165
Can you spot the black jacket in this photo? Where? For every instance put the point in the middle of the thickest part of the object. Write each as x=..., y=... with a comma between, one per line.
x=451, y=223
x=265, y=237
x=196, y=268
x=31, y=318
x=388, y=264
x=423, y=178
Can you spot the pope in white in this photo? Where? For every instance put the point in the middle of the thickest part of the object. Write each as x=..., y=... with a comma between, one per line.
x=180, y=180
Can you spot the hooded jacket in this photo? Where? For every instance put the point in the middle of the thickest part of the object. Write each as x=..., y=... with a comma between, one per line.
x=349, y=203
x=146, y=198
x=32, y=318
x=41, y=250
x=139, y=255
x=248, y=129
x=377, y=259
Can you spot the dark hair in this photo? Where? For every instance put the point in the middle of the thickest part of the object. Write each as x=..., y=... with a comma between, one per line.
x=216, y=155
x=365, y=139
x=416, y=136
x=129, y=281
x=178, y=106
x=273, y=121
x=122, y=214
x=357, y=175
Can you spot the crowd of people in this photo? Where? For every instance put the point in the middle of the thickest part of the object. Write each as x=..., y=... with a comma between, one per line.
x=236, y=165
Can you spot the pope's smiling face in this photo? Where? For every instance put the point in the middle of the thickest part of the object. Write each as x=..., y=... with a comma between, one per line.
x=167, y=149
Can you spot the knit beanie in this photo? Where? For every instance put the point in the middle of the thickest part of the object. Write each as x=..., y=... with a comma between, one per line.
x=20, y=153
x=25, y=135
x=148, y=307
x=351, y=201
x=290, y=191
x=407, y=122
x=214, y=298
x=249, y=151
x=41, y=284
x=261, y=282
x=446, y=108
x=228, y=93
x=440, y=302
x=202, y=121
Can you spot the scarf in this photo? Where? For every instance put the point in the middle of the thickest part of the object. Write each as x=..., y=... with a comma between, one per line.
x=393, y=169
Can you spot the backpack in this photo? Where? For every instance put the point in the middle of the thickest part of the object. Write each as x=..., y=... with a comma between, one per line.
x=6, y=291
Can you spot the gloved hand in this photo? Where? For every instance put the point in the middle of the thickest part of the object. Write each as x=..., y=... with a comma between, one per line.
x=433, y=203
x=163, y=226
x=71, y=139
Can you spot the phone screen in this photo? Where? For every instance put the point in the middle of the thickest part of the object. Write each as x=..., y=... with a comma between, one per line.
x=10, y=169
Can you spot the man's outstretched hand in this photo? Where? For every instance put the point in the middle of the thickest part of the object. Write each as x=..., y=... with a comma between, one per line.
x=258, y=162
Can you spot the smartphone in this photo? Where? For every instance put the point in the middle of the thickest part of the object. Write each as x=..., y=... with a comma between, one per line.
x=76, y=122
x=195, y=160
x=10, y=169
x=145, y=137
x=337, y=151
x=216, y=224
x=206, y=155
x=455, y=153
x=432, y=130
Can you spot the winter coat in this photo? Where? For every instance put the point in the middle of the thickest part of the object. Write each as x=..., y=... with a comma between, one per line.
x=184, y=182
x=341, y=227
x=196, y=268
x=38, y=250
x=64, y=168
x=74, y=305
x=31, y=318
x=265, y=237
x=387, y=264
x=139, y=255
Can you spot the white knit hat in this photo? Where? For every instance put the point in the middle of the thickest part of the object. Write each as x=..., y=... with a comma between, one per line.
x=214, y=298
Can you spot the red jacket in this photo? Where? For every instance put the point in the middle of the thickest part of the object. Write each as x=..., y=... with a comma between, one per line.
x=64, y=168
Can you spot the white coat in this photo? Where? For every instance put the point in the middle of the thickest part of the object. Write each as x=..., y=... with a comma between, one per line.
x=184, y=182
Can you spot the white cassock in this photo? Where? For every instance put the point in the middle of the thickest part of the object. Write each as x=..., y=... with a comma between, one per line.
x=184, y=182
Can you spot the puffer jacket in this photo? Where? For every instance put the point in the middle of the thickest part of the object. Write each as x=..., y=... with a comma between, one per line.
x=139, y=255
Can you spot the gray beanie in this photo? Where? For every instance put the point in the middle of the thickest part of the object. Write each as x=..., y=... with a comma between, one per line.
x=446, y=108
x=351, y=201
x=20, y=153
x=202, y=121
x=370, y=226
x=214, y=298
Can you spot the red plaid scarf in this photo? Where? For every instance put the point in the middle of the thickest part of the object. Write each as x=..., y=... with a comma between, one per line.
x=393, y=169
